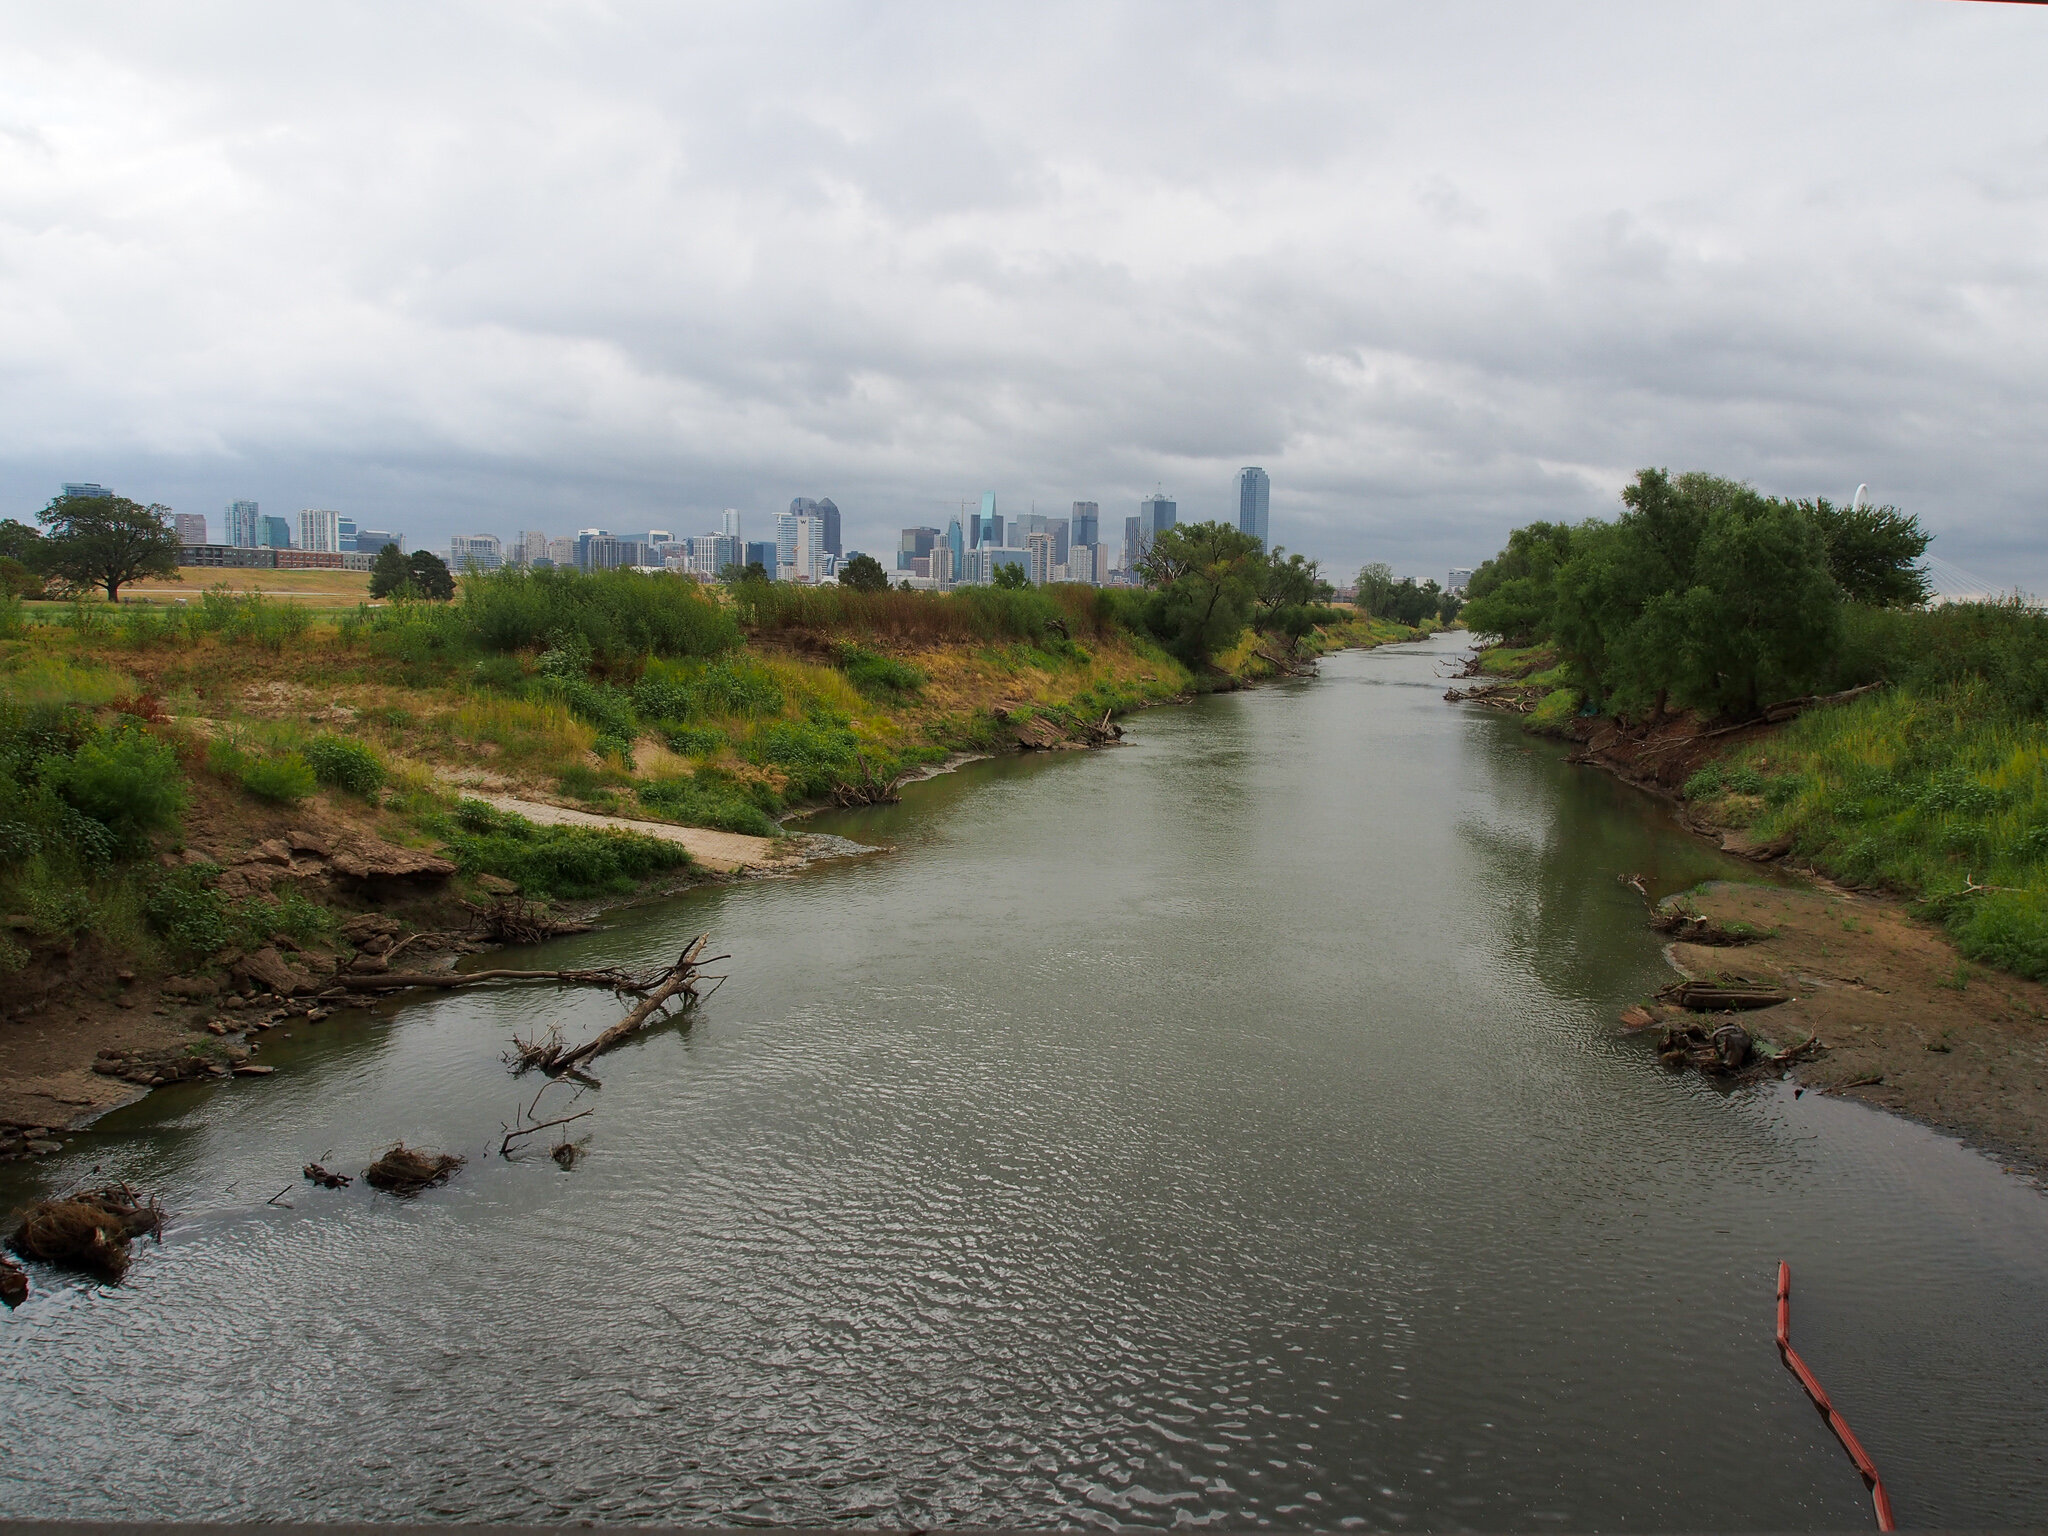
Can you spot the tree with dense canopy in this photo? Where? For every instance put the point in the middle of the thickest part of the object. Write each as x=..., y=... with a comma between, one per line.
x=1010, y=577
x=388, y=573
x=1205, y=579
x=107, y=541
x=430, y=576
x=1703, y=592
x=864, y=573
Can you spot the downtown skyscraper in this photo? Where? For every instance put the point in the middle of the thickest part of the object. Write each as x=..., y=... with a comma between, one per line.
x=1254, y=497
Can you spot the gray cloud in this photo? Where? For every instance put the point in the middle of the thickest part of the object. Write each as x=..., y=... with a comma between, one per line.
x=1440, y=269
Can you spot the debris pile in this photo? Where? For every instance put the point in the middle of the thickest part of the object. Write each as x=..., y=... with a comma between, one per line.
x=326, y=1179
x=88, y=1231
x=1718, y=1053
x=406, y=1171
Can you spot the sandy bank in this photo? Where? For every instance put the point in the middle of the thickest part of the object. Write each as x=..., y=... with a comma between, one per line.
x=1908, y=1024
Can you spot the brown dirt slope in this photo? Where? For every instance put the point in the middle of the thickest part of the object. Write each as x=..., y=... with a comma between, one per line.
x=1908, y=1025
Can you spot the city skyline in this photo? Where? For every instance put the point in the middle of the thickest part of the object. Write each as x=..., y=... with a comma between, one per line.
x=1427, y=336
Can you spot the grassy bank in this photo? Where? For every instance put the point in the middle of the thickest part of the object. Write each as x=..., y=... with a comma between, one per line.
x=1932, y=786
x=129, y=733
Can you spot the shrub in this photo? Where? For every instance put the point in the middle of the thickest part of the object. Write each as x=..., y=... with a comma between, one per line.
x=615, y=615
x=1705, y=783
x=878, y=676
x=185, y=912
x=502, y=673
x=814, y=754
x=345, y=764
x=693, y=740
x=126, y=780
x=708, y=801
x=553, y=861
x=286, y=778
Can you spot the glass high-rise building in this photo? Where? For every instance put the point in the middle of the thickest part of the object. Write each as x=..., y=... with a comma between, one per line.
x=245, y=525
x=319, y=529
x=1254, y=496
x=1087, y=523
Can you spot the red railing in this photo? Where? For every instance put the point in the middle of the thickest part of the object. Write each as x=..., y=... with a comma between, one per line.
x=1865, y=1467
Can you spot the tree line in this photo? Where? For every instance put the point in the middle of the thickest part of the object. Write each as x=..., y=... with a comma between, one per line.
x=1704, y=593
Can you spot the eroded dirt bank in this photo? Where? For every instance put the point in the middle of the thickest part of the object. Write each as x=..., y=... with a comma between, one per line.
x=1907, y=1024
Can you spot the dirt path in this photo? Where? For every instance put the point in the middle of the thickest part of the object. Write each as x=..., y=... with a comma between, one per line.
x=1908, y=1024
x=722, y=852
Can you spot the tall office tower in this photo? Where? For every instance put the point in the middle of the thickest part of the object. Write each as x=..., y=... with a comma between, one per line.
x=988, y=527
x=561, y=553
x=800, y=549
x=345, y=533
x=86, y=488
x=319, y=530
x=659, y=536
x=1038, y=558
x=243, y=530
x=828, y=514
x=277, y=534
x=533, y=548
x=1156, y=512
x=191, y=527
x=1082, y=564
x=761, y=552
x=1021, y=529
x=731, y=526
x=956, y=540
x=1061, y=531
x=1461, y=578
x=1254, y=494
x=914, y=543
x=1134, y=542
x=371, y=541
x=943, y=570
x=583, y=538
x=475, y=551
x=1087, y=523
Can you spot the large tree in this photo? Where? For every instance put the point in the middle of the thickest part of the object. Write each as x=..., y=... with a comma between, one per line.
x=430, y=575
x=864, y=573
x=389, y=576
x=1205, y=580
x=1873, y=553
x=108, y=541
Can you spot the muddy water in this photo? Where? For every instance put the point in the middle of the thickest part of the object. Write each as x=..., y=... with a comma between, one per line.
x=1228, y=1129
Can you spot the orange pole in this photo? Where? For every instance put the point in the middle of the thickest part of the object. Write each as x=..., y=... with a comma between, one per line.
x=1865, y=1467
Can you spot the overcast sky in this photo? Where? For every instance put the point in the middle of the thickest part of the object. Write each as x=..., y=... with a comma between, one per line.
x=1439, y=267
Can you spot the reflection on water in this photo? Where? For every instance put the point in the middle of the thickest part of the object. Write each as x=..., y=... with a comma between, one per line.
x=1229, y=1128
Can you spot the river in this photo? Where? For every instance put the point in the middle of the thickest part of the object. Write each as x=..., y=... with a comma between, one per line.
x=1231, y=1128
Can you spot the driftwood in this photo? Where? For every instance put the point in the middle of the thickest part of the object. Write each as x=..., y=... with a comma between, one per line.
x=406, y=1171
x=89, y=1230
x=13, y=1283
x=608, y=976
x=867, y=788
x=326, y=1179
x=515, y=920
x=679, y=980
x=1728, y=1049
x=1693, y=928
x=1723, y=996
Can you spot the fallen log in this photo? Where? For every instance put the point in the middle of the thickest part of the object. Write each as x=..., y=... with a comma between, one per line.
x=679, y=980
x=13, y=1283
x=1723, y=996
x=609, y=976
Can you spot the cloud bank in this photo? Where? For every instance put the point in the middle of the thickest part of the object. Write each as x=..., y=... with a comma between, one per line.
x=1438, y=269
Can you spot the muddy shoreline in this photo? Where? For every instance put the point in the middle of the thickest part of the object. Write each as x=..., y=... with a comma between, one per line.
x=1906, y=1024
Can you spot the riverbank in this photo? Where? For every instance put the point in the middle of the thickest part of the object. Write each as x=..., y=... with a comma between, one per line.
x=1907, y=1024
x=459, y=785
x=1910, y=1022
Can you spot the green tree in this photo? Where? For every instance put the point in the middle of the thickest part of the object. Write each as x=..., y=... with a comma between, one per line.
x=108, y=541
x=20, y=542
x=1375, y=586
x=1205, y=580
x=1010, y=577
x=389, y=575
x=1510, y=595
x=1288, y=590
x=430, y=575
x=1873, y=553
x=864, y=573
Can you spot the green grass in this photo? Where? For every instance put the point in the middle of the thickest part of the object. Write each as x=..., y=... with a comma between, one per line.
x=552, y=861
x=1925, y=793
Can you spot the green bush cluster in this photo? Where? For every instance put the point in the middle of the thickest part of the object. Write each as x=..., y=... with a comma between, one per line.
x=284, y=778
x=814, y=753
x=878, y=676
x=345, y=764
x=77, y=795
x=708, y=798
x=617, y=615
x=552, y=861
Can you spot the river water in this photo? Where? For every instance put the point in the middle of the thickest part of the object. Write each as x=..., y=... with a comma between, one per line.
x=1227, y=1129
